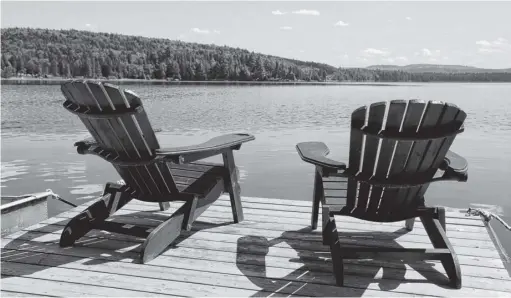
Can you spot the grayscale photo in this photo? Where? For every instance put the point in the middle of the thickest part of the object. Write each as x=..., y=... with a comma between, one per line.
x=255, y=148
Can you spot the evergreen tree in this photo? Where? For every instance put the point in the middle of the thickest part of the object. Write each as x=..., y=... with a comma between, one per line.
x=259, y=71
x=173, y=70
x=200, y=72
x=106, y=70
x=159, y=71
x=245, y=73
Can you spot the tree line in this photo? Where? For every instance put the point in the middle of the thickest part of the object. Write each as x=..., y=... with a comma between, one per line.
x=73, y=53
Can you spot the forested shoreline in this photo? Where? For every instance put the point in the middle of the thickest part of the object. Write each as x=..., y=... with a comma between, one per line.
x=44, y=53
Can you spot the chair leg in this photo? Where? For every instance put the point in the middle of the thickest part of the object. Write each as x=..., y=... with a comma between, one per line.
x=190, y=215
x=114, y=198
x=441, y=218
x=338, y=264
x=409, y=223
x=232, y=186
x=163, y=235
x=332, y=239
x=325, y=220
x=435, y=230
x=318, y=195
x=168, y=231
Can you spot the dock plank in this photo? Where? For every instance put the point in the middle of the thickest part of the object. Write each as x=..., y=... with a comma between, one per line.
x=19, y=294
x=219, y=252
x=273, y=252
x=454, y=230
x=462, y=224
x=452, y=212
x=302, y=239
x=46, y=287
x=362, y=230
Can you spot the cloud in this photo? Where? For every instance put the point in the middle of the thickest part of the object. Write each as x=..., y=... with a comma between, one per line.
x=408, y=18
x=286, y=28
x=483, y=43
x=200, y=31
x=341, y=24
x=499, y=45
x=345, y=56
x=371, y=52
x=278, y=12
x=216, y=31
x=306, y=12
x=401, y=58
x=428, y=53
x=90, y=27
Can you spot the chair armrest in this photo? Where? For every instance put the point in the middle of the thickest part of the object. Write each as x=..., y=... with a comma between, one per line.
x=90, y=146
x=455, y=167
x=89, y=141
x=315, y=153
x=217, y=145
x=214, y=146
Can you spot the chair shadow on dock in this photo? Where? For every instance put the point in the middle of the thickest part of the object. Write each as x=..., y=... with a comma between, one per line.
x=316, y=270
x=37, y=249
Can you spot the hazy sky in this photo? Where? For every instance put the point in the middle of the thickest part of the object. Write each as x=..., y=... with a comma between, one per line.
x=337, y=33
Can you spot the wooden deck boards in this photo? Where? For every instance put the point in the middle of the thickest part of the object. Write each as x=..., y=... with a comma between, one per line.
x=273, y=252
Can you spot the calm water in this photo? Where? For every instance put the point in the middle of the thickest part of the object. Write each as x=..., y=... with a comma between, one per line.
x=38, y=135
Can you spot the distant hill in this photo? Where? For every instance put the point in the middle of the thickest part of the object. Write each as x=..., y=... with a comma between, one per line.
x=437, y=68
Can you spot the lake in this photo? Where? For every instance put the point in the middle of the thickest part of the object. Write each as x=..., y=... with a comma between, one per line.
x=38, y=136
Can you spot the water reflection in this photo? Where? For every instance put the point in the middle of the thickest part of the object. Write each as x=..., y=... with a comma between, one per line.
x=11, y=170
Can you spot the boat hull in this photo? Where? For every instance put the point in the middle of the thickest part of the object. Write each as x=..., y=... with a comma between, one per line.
x=18, y=213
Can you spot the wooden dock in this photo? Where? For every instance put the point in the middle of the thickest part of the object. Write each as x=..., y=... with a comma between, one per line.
x=273, y=252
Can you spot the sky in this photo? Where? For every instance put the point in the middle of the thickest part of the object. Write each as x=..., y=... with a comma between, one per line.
x=348, y=34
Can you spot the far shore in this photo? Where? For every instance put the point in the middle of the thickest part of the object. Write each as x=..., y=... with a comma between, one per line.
x=60, y=80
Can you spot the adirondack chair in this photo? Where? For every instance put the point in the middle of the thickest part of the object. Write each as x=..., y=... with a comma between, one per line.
x=122, y=135
x=396, y=149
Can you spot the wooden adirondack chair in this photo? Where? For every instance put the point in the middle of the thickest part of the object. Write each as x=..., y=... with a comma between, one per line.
x=122, y=135
x=396, y=149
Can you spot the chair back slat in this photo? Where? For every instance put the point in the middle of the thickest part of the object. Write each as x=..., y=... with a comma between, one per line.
x=139, y=137
x=79, y=94
x=129, y=136
x=142, y=118
x=395, y=114
x=407, y=197
x=118, y=134
x=71, y=93
x=451, y=114
x=433, y=123
x=396, y=197
x=374, y=121
x=356, y=141
x=435, y=150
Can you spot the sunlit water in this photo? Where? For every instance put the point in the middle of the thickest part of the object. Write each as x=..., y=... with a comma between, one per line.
x=38, y=135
